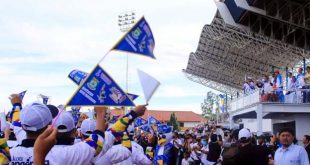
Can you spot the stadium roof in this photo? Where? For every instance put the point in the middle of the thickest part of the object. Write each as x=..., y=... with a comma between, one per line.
x=226, y=54
x=284, y=20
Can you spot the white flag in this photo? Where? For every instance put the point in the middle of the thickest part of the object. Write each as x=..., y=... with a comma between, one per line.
x=3, y=121
x=149, y=84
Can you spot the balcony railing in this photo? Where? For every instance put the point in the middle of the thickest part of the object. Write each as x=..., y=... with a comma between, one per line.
x=297, y=96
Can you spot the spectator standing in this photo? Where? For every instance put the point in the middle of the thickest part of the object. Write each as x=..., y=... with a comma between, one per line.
x=290, y=153
x=301, y=82
x=278, y=85
x=307, y=85
x=249, y=154
x=214, y=150
x=306, y=142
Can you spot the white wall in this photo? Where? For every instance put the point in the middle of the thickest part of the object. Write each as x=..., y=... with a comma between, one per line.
x=302, y=122
x=190, y=124
x=252, y=125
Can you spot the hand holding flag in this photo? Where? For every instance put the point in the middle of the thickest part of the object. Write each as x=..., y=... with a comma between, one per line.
x=99, y=89
x=77, y=76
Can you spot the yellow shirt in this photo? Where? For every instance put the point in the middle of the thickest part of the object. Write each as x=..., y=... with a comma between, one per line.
x=307, y=78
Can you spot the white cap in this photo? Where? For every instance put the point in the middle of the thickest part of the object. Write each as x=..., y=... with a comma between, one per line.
x=244, y=133
x=35, y=116
x=88, y=126
x=65, y=122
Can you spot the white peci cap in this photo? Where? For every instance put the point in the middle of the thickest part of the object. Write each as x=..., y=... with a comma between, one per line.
x=88, y=126
x=65, y=122
x=35, y=116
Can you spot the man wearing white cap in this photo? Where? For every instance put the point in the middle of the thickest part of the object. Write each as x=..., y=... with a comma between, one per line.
x=81, y=152
x=249, y=154
x=87, y=127
x=35, y=118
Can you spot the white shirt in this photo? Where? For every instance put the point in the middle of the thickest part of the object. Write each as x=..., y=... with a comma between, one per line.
x=12, y=143
x=177, y=141
x=293, y=155
x=20, y=134
x=137, y=156
x=289, y=82
x=185, y=162
x=203, y=155
x=78, y=154
x=193, y=153
x=300, y=80
x=114, y=155
x=267, y=87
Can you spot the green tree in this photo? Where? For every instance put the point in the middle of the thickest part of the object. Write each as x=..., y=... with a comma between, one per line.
x=210, y=101
x=174, y=122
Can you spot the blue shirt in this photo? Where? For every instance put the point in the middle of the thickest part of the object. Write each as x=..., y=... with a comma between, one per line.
x=293, y=155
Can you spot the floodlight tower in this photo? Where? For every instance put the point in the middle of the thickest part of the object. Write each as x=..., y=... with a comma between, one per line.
x=125, y=21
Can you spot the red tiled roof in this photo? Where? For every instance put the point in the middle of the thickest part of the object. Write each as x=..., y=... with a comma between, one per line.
x=182, y=116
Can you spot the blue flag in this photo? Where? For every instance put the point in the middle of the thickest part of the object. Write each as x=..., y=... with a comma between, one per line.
x=22, y=94
x=76, y=114
x=139, y=40
x=164, y=128
x=145, y=128
x=132, y=96
x=99, y=89
x=152, y=120
x=77, y=76
x=139, y=122
x=222, y=103
x=44, y=99
x=114, y=119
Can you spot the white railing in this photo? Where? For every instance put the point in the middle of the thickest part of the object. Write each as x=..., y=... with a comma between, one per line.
x=297, y=96
x=245, y=101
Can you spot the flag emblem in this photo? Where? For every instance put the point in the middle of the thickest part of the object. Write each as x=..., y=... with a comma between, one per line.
x=92, y=85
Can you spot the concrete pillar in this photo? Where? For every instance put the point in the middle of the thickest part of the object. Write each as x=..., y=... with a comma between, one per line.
x=231, y=122
x=259, y=118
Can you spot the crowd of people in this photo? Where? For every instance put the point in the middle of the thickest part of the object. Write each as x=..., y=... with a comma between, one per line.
x=44, y=134
x=272, y=90
x=211, y=145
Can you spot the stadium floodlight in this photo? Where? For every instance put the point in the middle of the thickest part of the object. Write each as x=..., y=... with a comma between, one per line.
x=126, y=20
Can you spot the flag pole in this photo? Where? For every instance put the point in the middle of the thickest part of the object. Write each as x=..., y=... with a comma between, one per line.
x=104, y=57
x=126, y=20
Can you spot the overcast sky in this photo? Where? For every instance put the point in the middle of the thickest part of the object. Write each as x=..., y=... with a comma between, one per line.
x=42, y=41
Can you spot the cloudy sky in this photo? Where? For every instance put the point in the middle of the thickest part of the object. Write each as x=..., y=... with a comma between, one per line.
x=42, y=41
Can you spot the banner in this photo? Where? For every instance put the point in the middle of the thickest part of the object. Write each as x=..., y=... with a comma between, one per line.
x=76, y=114
x=99, y=89
x=164, y=128
x=44, y=99
x=22, y=94
x=138, y=40
x=152, y=120
x=145, y=128
x=149, y=85
x=222, y=103
x=77, y=76
x=132, y=96
x=139, y=122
